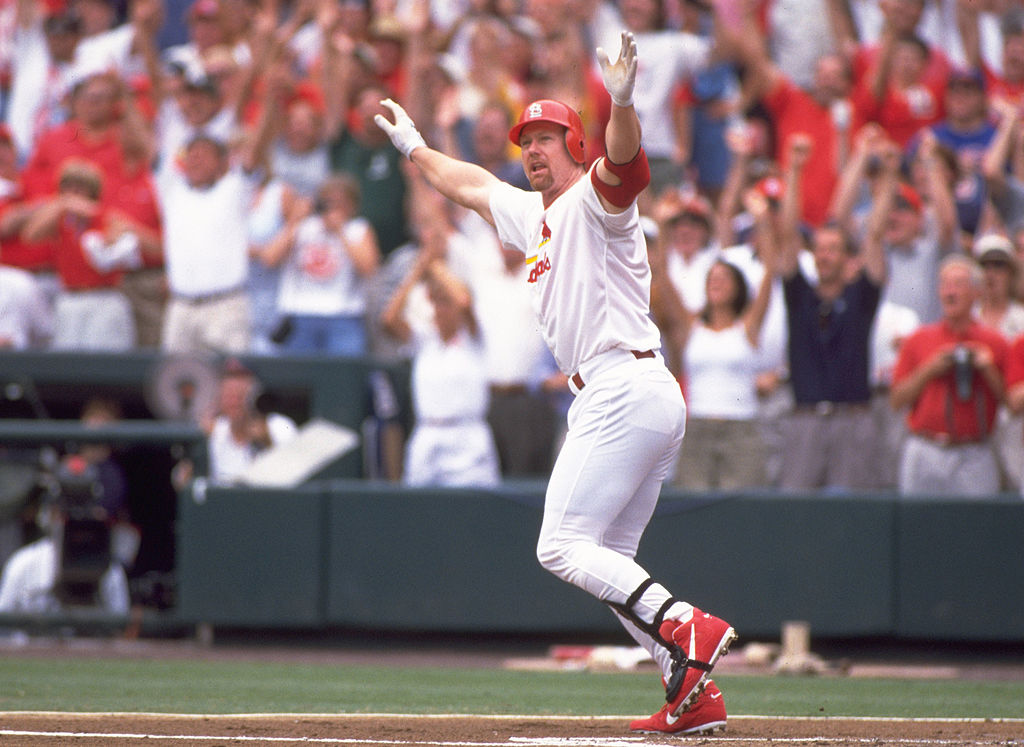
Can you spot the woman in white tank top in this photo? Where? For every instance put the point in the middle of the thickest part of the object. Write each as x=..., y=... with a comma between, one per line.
x=715, y=354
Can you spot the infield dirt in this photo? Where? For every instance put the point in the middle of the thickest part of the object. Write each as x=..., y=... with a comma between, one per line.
x=122, y=730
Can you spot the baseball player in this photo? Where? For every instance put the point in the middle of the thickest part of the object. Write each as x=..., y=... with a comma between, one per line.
x=590, y=281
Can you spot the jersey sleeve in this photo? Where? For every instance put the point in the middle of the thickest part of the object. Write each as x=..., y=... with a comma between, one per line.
x=509, y=208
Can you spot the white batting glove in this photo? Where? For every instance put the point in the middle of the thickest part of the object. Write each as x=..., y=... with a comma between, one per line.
x=620, y=76
x=403, y=132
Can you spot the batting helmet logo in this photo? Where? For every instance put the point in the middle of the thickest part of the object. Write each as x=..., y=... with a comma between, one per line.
x=554, y=112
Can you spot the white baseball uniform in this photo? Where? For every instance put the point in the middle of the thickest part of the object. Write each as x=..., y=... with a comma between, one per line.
x=451, y=443
x=590, y=280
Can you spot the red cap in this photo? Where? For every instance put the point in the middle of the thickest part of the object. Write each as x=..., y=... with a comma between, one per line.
x=308, y=92
x=554, y=112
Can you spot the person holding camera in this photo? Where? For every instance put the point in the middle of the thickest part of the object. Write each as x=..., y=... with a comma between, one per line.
x=72, y=565
x=242, y=428
x=951, y=374
x=327, y=253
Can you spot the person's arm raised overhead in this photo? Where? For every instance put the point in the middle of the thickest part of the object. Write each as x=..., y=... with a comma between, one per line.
x=623, y=173
x=465, y=183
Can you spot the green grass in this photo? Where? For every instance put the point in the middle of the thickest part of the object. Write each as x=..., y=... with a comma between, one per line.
x=258, y=687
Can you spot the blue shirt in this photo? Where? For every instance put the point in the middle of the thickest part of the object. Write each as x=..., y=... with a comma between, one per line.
x=828, y=342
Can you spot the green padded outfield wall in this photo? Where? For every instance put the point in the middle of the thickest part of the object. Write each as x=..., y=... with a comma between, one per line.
x=960, y=569
x=253, y=559
x=377, y=556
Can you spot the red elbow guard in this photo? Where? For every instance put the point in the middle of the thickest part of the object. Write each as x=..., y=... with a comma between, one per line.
x=634, y=176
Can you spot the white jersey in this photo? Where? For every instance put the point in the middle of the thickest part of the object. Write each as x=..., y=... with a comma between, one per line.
x=205, y=241
x=319, y=277
x=588, y=270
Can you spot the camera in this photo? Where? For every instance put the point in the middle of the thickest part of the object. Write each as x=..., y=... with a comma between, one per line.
x=963, y=372
x=85, y=537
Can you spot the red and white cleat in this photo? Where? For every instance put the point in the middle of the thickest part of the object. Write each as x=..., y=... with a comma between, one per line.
x=704, y=717
x=702, y=639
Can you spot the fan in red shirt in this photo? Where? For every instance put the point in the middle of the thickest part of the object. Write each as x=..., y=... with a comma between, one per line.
x=14, y=211
x=105, y=129
x=822, y=113
x=91, y=311
x=1009, y=83
x=899, y=92
x=951, y=376
x=1015, y=383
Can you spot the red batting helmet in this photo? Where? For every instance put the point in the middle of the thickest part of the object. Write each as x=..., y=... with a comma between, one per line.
x=555, y=112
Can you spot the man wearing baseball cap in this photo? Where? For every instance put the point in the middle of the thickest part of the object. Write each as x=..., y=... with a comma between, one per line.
x=590, y=279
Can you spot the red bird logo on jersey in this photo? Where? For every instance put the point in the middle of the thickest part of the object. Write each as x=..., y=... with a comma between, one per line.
x=540, y=264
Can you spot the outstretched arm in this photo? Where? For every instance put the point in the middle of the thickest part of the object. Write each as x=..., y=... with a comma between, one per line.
x=464, y=183
x=623, y=171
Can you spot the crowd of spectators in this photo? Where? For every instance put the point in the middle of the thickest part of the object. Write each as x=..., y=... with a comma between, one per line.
x=815, y=164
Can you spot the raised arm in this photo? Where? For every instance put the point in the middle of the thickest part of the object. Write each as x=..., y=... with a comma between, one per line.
x=766, y=238
x=741, y=147
x=970, y=37
x=799, y=147
x=761, y=74
x=883, y=199
x=624, y=168
x=993, y=162
x=939, y=184
x=147, y=16
x=622, y=136
x=670, y=314
x=461, y=182
x=854, y=174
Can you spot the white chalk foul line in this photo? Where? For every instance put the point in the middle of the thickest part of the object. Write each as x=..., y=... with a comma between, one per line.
x=518, y=741
x=503, y=717
x=194, y=738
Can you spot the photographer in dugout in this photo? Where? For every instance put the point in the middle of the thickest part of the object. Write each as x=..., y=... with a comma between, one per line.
x=72, y=564
x=242, y=428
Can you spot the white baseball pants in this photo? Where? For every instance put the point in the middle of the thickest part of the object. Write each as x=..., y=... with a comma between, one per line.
x=625, y=429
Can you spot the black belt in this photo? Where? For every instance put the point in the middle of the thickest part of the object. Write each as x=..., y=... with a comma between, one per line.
x=638, y=354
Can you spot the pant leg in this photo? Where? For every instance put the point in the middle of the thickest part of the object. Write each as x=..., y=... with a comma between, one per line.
x=805, y=458
x=624, y=430
x=693, y=469
x=852, y=445
x=227, y=325
x=931, y=469
x=346, y=336
x=741, y=455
